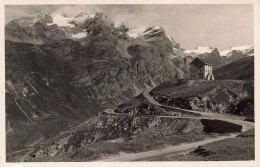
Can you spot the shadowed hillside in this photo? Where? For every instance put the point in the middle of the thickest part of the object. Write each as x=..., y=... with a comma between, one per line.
x=242, y=69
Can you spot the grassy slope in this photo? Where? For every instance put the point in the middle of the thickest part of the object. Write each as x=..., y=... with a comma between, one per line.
x=190, y=88
x=146, y=141
x=110, y=135
x=240, y=148
x=240, y=69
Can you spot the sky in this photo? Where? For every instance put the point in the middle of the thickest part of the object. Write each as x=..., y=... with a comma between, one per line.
x=221, y=26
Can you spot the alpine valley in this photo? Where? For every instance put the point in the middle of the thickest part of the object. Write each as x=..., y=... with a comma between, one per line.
x=84, y=88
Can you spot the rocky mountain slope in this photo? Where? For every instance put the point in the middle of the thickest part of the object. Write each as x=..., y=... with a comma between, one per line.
x=62, y=81
x=108, y=135
x=41, y=28
x=241, y=69
x=118, y=133
x=39, y=96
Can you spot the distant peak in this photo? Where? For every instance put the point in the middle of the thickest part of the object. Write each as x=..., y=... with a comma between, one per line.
x=204, y=48
x=171, y=39
x=84, y=15
x=28, y=21
x=153, y=30
x=201, y=50
x=174, y=43
x=242, y=48
x=43, y=14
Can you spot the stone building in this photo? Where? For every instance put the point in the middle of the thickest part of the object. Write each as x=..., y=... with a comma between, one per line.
x=201, y=70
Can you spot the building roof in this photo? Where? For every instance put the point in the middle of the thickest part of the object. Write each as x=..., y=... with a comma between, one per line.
x=199, y=63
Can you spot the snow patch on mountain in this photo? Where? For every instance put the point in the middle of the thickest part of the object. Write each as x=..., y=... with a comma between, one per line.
x=243, y=48
x=201, y=50
x=142, y=31
x=80, y=35
x=224, y=52
x=135, y=32
x=153, y=30
x=118, y=24
x=61, y=20
x=50, y=24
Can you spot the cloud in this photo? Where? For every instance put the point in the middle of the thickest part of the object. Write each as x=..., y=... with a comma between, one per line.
x=220, y=26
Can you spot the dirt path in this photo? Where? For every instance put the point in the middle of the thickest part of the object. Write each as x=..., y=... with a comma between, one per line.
x=184, y=147
x=147, y=95
x=16, y=156
x=19, y=151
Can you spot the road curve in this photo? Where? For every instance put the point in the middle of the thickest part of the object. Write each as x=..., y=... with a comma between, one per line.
x=177, y=149
x=206, y=115
x=184, y=147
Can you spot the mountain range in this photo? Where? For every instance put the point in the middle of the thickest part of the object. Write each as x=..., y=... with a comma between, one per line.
x=61, y=70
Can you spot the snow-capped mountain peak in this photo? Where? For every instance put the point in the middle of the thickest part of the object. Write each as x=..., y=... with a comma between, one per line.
x=80, y=19
x=29, y=21
x=153, y=30
x=225, y=52
x=243, y=49
x=141, y=31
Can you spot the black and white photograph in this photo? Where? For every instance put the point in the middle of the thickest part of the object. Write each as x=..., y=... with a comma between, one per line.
x=129, y=82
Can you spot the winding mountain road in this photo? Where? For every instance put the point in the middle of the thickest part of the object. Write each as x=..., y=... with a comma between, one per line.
x=205, y=115
x=184, y=147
